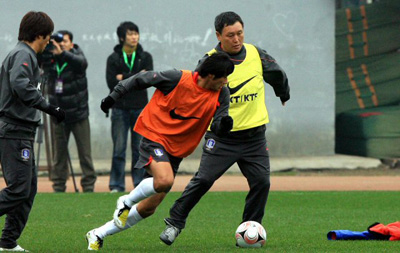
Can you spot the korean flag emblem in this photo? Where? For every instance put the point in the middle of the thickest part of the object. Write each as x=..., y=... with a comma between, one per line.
x=158, y=152
x=25, y=154
x=210, y=144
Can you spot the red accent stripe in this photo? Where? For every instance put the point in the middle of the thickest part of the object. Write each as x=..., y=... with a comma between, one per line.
x=195, y=77
x=150, y=160
x=236, y=60
x=368, y=114
x=268, y=59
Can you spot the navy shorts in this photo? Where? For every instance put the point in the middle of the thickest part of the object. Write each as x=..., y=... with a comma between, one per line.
x=150, y=150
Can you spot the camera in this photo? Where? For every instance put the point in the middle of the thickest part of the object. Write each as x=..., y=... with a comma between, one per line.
x=46, y=58
x=57, y=37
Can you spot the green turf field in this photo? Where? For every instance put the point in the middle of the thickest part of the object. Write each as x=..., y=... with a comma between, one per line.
x=295, y=222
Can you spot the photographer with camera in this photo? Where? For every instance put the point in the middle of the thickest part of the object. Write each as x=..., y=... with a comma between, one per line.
x=68, y=89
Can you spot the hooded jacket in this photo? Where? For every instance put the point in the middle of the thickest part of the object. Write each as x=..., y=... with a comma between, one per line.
x=116, y=65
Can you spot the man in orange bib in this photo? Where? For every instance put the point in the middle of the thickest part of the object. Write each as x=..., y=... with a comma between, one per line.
x=172, y=125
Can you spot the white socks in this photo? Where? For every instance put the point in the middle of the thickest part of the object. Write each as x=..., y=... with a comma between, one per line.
x=144, y=190
x=110, y=228
x=107, y=229
x=133, y=217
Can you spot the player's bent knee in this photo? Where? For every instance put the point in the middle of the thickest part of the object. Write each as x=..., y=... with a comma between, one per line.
x=163, y=188
x=266, y=185
x=163, y=185
x=263, y=183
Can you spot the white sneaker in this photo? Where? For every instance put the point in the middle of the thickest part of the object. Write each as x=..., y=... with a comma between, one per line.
x=121, y=212
x=94, y=242
x=170, y=233
x=16, y=248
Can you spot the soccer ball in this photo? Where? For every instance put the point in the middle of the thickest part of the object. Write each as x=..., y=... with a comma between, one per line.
x=250, y=234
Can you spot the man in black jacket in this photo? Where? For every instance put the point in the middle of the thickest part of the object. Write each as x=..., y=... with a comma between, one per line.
x=246, y=144
x=20, y=98
x=128, y=59
x=69, y=90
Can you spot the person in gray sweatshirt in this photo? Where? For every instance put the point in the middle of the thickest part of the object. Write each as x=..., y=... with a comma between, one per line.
x=20, y=102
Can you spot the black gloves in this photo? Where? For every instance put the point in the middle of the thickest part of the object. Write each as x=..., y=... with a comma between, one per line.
x=56, y=112
x=225, y=126
x=106, y=104
x=285, y=98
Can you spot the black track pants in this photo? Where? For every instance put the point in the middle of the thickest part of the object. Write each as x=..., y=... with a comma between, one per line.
x=253, y=161
x=18, y=164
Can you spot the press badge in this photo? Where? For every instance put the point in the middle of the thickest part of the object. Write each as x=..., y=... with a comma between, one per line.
x=59, y=86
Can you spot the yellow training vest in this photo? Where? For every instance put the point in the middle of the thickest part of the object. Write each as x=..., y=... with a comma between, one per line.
x=247, y=98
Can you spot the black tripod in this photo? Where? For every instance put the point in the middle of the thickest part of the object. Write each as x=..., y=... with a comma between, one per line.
x=44, y=128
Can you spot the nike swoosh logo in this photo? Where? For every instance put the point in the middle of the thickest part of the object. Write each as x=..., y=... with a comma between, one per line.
x=173, y=115
x=234, y=90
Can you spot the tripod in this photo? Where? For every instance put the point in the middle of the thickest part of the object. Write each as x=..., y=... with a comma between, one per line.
x=44, y=128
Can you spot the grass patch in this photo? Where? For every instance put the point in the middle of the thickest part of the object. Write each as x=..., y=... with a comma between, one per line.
x=378, y=171
x=295, y=222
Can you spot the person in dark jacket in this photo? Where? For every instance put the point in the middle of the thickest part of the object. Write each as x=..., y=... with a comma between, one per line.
x=128, y=59
x=19, y=117
x=246, y=144
x=69, y=90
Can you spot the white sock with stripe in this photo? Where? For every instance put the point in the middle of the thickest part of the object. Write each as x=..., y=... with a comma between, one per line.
x=144, y=190
x=107, y=229
x=110, y=228
x=133, y=217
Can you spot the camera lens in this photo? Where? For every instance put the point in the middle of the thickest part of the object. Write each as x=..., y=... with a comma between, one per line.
x=58, y=37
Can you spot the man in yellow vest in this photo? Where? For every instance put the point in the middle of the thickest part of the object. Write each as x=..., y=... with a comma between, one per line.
x=246, y=144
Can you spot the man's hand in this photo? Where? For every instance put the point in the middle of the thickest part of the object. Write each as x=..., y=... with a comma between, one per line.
x=106, y=104
x=119, y=77
x=57, y=48
x=226, y=124
x=56, y=112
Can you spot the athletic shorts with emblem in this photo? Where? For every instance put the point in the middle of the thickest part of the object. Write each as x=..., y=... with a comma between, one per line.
x=150, y=150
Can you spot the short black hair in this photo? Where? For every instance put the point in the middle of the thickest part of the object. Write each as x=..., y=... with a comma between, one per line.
x=225, y=19
x=123, y=28
x=218, y=64
x=66, y=32
x=35, y=24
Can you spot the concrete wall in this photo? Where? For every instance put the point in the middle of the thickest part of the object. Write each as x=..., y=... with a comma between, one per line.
x=299, y=34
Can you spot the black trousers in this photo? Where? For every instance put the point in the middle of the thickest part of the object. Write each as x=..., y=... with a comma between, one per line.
x=218, y=156
x=16, y=200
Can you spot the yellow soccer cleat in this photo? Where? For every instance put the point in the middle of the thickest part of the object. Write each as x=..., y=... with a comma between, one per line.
x=94, y=242
x=121, y=212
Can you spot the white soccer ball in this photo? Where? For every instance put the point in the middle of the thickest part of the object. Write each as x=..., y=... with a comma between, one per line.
x=250, y=234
